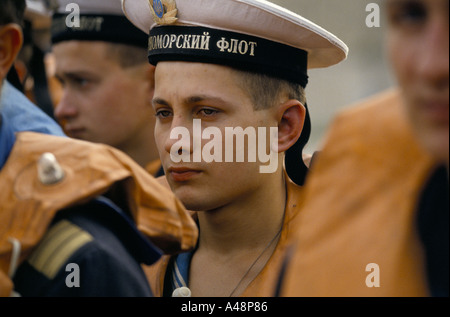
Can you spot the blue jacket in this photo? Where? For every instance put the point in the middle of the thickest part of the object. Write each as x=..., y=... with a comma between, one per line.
x=18, y=114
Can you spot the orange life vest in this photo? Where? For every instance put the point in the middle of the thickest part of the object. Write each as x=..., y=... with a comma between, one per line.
x=358, y=220
x=28, y=206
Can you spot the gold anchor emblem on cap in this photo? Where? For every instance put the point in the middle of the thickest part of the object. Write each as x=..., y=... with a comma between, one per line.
x=164, y=11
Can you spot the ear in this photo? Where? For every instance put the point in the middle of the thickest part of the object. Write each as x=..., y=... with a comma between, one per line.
x=11, y=40
x=291, y=116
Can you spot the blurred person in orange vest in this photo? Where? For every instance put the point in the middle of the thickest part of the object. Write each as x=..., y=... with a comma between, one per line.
x=376, y=212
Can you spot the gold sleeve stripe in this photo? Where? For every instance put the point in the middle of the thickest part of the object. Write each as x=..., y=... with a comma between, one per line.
x=61, y=242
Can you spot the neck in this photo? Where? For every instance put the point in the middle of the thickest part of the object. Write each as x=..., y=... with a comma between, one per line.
x=249, y=223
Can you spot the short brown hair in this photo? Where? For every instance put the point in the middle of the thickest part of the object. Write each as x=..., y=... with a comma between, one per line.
x=265, y=91
x=127, y=55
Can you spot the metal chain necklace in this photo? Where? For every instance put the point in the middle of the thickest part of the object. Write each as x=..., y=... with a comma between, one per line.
x=256, y=261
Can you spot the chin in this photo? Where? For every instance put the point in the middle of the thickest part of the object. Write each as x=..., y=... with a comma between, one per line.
x=200, y=203
x=192, y=205
x=437, y=144
x=190, y=199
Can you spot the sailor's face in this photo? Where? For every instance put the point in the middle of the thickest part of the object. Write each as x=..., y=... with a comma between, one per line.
x=418, y=43
x=185, y=92
x=101, y=101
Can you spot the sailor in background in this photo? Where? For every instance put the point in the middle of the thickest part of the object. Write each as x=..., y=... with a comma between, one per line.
x=30, y=73
x=107, y=82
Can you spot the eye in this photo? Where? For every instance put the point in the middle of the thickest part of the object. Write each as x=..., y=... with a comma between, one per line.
x=78, y=82
x=81, y=82
x=207, y=112
x=163, y=113
x=407, y=14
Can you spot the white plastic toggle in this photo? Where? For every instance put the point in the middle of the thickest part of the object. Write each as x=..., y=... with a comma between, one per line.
x=182, y=292
x=49, y=170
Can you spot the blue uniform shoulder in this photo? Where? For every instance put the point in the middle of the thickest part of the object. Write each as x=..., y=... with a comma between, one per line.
x=23, y=115
x=18, y=114
x=92, y=249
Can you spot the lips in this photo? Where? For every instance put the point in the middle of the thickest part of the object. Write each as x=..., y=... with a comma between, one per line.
x=73, y=131
x=183, y=174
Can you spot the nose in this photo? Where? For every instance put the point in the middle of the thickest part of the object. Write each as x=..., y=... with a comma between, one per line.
x=179, y=139
x=433, y=64
x=66, y=108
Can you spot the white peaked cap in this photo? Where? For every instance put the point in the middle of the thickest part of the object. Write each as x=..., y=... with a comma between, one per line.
x=258, y=18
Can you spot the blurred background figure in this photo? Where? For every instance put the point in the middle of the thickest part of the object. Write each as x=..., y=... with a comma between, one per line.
x=376, y=213
x=33, y=65
x=107, y=81
x=418, y=49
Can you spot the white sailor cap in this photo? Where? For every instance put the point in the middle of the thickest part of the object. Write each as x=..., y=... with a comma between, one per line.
x=256, y=35
x=99, y=20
